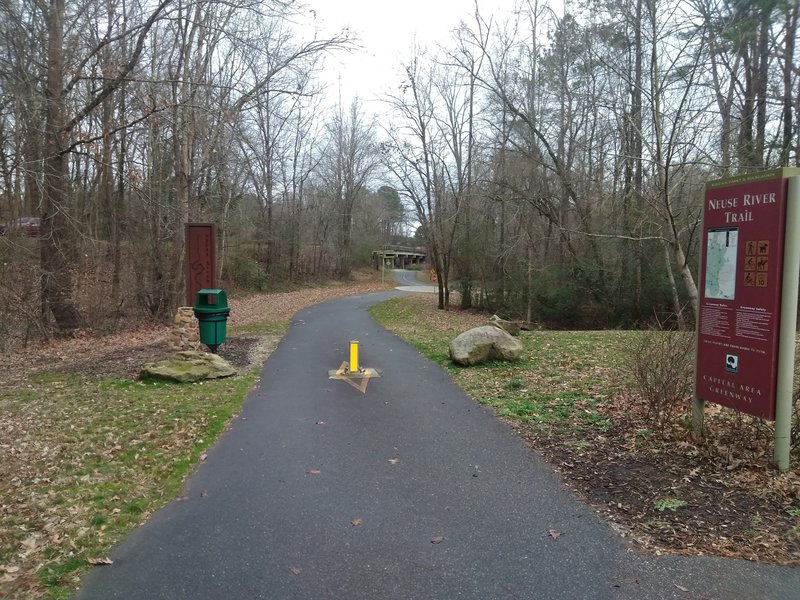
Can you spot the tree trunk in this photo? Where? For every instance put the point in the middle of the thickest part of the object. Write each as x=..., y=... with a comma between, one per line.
x=791, y=33
x=676, y=302
x=688, y=279
x=56, y=275
x=344, y=241
x=761, y=87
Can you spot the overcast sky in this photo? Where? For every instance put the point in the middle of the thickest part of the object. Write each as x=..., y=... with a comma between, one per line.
x=387, y=31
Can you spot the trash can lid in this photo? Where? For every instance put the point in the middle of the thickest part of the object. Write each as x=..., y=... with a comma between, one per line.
x=211, y=298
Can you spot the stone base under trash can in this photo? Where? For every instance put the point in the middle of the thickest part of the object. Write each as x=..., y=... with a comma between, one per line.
x=185, y=332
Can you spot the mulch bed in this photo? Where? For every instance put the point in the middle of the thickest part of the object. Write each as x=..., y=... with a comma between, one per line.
x=682, y=498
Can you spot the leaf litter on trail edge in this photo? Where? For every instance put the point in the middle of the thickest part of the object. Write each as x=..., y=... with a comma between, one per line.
x=100, y=561
x=51, y=430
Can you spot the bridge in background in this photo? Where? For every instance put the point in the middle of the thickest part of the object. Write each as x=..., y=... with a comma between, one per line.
x=397, y=257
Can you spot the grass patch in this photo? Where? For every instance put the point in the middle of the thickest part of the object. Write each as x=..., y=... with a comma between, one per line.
x=260, y=328
x=577, y=446
x=83, y=461
x=671, y=504
x=558, y=387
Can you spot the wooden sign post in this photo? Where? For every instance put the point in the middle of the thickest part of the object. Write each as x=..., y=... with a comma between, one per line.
x=201, y=259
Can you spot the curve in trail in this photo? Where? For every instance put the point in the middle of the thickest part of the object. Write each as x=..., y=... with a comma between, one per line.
x=408, y=282
x=407, y=491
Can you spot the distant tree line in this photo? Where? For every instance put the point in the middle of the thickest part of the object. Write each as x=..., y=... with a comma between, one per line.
x=553, y=165
x=558, y=162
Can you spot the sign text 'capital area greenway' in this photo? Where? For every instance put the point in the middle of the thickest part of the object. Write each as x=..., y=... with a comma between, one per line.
x=748, y=288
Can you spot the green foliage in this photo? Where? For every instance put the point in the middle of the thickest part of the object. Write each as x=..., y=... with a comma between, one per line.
x=578, y=445
x=420, y=236
x=513, y=384
x=392, y=203
x=55, y=574
x=361, y=252
x=585, y=293
x=558, y=297
x=671, y=504
x=243, y=270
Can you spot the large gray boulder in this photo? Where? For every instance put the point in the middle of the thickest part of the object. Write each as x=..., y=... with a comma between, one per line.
x=189, y=366
x=484, y=343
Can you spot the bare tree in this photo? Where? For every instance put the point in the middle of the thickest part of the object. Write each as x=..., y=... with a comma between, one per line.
x=350, y=160
x=416, y=155
x=60, y=125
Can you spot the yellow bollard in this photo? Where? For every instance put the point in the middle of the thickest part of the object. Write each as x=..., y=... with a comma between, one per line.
x=353, y=357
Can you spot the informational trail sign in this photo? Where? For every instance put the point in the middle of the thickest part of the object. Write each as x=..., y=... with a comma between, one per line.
x=201, y=263
x=744, y=229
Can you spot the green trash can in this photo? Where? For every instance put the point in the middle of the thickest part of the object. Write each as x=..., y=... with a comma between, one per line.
x=211, y=309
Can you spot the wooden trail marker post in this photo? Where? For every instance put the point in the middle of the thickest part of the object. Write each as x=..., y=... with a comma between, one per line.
x=201, y=259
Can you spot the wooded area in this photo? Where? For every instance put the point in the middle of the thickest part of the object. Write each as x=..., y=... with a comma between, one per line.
x=552, y=165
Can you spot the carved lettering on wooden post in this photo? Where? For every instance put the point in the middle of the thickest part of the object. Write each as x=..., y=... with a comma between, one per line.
x=201, y=271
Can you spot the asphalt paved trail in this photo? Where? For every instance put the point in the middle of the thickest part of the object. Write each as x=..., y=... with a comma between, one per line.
x=409, y=282
x=270, y=513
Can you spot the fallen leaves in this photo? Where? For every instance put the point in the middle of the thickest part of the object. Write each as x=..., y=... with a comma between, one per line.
x=52, y=434
x=295, y=571
x=356, y=522
x=554, y=534
x=10, y=574
x=100, y=561
x=28, y=546
x=437, y=539
x=574, y=408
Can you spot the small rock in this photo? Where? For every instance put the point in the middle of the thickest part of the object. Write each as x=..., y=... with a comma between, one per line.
x=511, y=327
